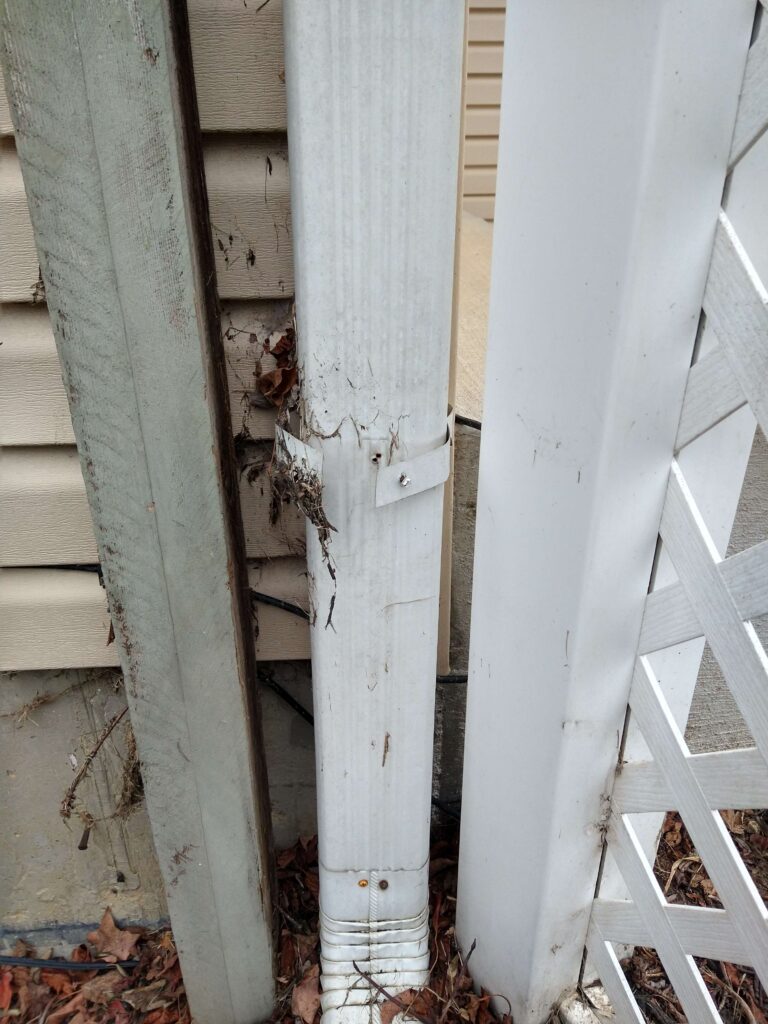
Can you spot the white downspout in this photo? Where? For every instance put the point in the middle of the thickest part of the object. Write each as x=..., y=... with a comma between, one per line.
x=373, y=117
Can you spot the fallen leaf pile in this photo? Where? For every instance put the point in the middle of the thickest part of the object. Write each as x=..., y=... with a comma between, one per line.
x=448, y=999
x=151, y=993
x=736, y=991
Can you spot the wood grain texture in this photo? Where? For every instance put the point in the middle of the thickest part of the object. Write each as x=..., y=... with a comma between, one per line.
x=250, y=220
x=708, y=831
x=732, y=779
x=652, y=907
x=249, y=198
x=669, y=617
x=44, y=514
x=736, y=304
x=752, y=118
x=701, y=931
x=734, y=642
x=33, y=402
x=53, y=618
x=711, y=394
x=237, y=51
x=19, y=265
x=130, y=316
x=281, y=636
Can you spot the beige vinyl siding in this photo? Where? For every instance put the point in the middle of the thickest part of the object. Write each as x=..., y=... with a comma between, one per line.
x=485, y=52
x=53, y=614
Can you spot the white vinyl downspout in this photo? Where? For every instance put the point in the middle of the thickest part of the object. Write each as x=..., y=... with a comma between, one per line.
x=373, y=121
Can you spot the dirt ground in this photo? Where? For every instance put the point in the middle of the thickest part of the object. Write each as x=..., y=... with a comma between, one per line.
x=143, y=984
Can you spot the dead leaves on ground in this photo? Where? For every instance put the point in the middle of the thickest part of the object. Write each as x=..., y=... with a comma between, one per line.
x=683, y=878
x=448, y=999
x=151, y=993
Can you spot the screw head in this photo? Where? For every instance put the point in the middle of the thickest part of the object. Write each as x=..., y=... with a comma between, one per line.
x=363, y=883
x=383, y=884
x=404, y=480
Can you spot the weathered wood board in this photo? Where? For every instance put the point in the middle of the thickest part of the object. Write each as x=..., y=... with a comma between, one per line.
x=249, y=197
x=117, y=182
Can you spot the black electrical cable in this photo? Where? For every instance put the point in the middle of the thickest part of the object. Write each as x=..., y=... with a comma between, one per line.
x=286, y=697
x=278, y=602
x=65, y=965
x=467, y=421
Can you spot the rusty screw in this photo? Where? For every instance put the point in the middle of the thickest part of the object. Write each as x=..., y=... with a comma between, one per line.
x=383, y=884
x=363, y=883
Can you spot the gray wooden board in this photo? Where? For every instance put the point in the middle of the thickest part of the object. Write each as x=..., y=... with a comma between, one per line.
x=95, y=96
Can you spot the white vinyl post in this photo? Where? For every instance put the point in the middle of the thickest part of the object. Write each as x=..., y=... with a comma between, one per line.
x=373, y=128
x=617, y=119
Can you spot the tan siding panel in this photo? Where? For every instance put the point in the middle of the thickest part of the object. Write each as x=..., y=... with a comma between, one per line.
x=479, y=181
x=53, y=618
x=33, y=404
x=264, y=539
x=6, y=125
x=249, y=199
x=246, y=325
x=282, y=636
x=45, y=519
x=44, y=515
x=19, y=266
x=483, y=91
x=58, y=618
x=485, y=58
x=481, y=121
x=486, y=27
x=249, y=203
x=480, y=153
x=237, y=51
x=481, y=206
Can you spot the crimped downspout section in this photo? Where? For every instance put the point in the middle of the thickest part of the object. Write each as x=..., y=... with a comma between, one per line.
x=393, y=954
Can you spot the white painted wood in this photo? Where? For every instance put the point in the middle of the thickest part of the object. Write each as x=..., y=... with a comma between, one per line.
x=652, y=907
x=590, y=341
x=33, y=402
x=44, y=514
x=710, y=836
x=733, y=642
x=612, y=977
x=732, y=779
x=374, y=133
x=736, y=304
x=752, y=118
x=701, y=931
x=117, y=222
x=670, y=618
x=711, y=394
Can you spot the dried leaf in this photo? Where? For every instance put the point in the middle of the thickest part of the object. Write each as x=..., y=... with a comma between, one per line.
x=147, y=997
x=109, y=939
x=6, y=990
x=103, y=988
x=305, y=998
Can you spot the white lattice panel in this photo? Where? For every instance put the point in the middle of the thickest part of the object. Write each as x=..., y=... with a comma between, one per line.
x=713, y=598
